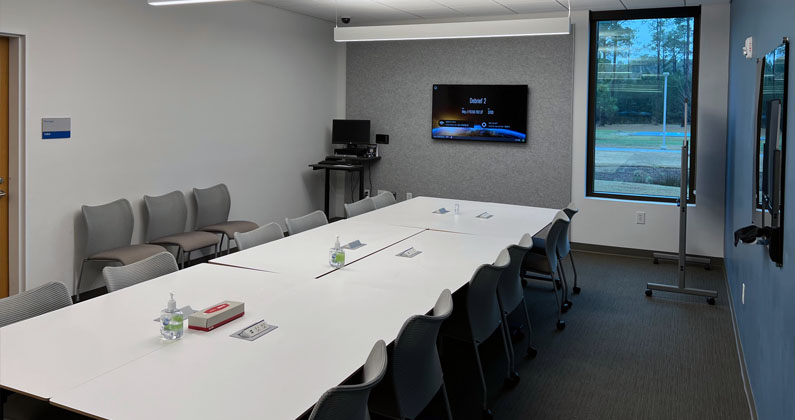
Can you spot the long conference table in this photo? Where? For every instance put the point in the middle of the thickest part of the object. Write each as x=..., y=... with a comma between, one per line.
x=104, y=357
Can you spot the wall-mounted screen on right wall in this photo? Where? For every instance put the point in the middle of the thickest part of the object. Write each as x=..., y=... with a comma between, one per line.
x=480, y=112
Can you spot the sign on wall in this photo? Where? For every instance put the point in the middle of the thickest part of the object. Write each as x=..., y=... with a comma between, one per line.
x=56, y=128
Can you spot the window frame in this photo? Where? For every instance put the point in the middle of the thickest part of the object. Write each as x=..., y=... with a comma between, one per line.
x=659, y=13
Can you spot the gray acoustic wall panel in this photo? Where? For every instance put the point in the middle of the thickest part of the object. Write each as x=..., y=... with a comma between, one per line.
x=390, y=83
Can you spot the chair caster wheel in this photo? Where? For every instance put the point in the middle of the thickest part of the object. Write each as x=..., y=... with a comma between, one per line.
x=488, y=414
x=711, y=301
x=656, y=261
x=524, y=283
x=570, y=303
x=564, y=309
x=707, y=267
x=576, y=290
x=513, y=380
x=561, y=325
x=531, y=353
x=648, y=292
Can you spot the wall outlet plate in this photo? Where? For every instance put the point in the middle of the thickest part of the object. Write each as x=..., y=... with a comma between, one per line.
x=409, y=196
x=366, y=192
x=742, y=297
x=640, y=217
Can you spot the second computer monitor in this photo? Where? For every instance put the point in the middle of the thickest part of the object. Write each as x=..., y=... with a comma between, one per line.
x=350, y=132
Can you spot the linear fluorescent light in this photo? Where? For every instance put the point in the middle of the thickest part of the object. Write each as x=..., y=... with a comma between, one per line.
x=488, y=29
x=173, y=2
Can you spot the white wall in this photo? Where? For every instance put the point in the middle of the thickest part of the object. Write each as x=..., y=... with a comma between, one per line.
x=612, y=223
x=165, y=98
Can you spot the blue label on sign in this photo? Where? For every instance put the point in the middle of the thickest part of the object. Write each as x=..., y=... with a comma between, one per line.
x=56, y=134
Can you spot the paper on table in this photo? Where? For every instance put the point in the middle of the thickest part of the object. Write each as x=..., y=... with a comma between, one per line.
x=354, y=245
x=485, y=215
x=409, y=253
x=442, y=211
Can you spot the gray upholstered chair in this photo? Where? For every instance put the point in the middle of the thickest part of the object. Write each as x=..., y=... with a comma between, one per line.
x=212, y=214
x=359, y=207
x=167, y=216
x=117, y=278
x=478, y=316
x=414, y=375
x=510, y=293
x=33, y=302
x=310, y=221
x=385, y=198
x=542, y=263
x=109, y=229
x=564, y=245
x=349, y=402
x=258, y=236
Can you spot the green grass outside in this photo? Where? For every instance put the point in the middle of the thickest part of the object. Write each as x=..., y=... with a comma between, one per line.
x=620, y=138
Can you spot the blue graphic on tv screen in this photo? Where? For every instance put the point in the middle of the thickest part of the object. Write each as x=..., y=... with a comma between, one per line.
x=492, y=134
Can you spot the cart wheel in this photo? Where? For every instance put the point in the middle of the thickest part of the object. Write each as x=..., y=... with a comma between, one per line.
x=648, y=292
x=711, y=300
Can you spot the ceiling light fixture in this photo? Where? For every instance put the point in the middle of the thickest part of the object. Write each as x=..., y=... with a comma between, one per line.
x=455, y=30
x=175, y=2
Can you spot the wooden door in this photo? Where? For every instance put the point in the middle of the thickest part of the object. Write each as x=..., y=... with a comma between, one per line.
x=4, y=69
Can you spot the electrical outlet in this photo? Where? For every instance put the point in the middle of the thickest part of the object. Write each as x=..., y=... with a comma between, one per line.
x=640, y=217
x=409, y=196
x=366, y=192
x=742, y=297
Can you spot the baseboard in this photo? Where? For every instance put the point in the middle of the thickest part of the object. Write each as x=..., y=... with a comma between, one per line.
x=749, y=393
x=630, y=252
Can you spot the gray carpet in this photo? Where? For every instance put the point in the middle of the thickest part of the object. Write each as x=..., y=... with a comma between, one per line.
x=622, y=355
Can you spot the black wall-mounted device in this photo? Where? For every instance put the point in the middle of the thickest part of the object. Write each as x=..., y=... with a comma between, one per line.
x=382, y=138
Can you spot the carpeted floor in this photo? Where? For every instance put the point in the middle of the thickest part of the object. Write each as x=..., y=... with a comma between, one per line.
x=622, y=355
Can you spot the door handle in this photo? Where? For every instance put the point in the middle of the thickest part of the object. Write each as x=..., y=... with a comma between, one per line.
x=3, y=194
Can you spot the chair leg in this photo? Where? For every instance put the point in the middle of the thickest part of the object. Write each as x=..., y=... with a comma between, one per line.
x=531, y=351
x=482, y=379
x=513, y=375
x=188, y=261
x=561, y=324
x=181, y=255
x=77, y=287
x=506, y=333
x=565, y=294
x=446, y=401
x=576, y=289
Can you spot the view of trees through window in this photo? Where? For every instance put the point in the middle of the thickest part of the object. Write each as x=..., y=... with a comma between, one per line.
x=644, y=72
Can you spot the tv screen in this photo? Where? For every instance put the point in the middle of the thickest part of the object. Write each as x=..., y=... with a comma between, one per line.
x=480, y=112
x=350, y=132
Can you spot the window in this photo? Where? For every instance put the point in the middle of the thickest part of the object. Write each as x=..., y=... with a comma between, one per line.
x=643, y=66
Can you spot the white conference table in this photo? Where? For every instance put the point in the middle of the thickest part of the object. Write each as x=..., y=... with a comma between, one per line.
x=448, y=261
x=507, y=220
x=110, y=362
x=325, y=332
x=49, y=354
x=307, y=254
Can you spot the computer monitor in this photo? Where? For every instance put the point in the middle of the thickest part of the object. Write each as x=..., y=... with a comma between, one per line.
x=350, y=132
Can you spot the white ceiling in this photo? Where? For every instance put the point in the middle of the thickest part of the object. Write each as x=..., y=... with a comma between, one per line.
x=417, y=11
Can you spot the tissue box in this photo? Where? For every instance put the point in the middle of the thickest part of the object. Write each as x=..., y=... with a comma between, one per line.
x=216, y=315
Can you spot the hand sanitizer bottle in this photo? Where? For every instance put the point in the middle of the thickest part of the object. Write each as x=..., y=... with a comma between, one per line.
x=336, y=255
x=171, y=321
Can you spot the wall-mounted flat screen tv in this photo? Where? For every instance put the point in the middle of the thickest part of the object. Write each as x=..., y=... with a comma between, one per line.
x=480, y=112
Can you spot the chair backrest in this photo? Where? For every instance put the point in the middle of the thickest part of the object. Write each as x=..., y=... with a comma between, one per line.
x=359, y=207
x=117, y=278
x=212, y=205
x=385, y=198
x=483, y=308
x=559, y=224
x=33, y=302
x=510, y=291
x=564, y=246
x=108, y=226
x=349, y=402
x=415, y=366
x=166, y=215
x=258, y=236
x=310, y=221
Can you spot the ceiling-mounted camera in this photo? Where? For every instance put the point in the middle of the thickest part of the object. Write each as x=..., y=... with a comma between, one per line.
x=345, y=19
